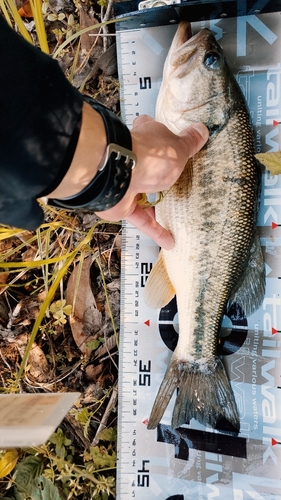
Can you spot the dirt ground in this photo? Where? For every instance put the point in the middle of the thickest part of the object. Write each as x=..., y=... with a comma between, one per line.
x=76, y=345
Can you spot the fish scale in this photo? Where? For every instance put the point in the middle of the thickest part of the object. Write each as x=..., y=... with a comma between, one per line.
x=211, y=212
x=216, y=260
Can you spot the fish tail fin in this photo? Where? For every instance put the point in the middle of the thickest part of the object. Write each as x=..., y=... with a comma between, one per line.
x=204, y=393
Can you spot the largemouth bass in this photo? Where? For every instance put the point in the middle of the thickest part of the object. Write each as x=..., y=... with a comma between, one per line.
x=211, y=212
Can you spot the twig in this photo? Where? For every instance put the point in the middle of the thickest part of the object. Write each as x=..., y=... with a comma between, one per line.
x=109, y=344
x=110, y=356
x=106, y=414
x=113, y=247
x=4, y=360
x=87, y=56
x=104, y=19
x=56, y=379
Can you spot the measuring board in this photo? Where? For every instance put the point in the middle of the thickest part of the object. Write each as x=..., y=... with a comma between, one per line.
x=194, y=462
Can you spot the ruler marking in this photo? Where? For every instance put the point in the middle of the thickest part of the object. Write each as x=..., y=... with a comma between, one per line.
x=127, y=423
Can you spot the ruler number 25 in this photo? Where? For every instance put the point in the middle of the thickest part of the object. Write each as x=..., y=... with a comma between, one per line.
x=145, y=270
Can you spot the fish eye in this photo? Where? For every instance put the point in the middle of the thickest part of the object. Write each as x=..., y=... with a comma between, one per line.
x=213, y=60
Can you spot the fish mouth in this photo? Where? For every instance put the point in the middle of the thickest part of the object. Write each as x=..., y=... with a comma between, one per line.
x=184, y=36
x=185, y=46
x=184, y=33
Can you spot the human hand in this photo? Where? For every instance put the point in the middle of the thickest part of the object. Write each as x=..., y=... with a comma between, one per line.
x=162, y=157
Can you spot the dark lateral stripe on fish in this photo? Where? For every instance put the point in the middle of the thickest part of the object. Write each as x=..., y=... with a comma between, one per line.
x=211, y=212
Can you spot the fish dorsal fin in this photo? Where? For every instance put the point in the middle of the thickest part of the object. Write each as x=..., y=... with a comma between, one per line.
x=159, y=290
x=250, y=289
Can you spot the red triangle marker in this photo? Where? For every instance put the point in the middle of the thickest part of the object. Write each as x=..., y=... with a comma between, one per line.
x=275, y=123
x=147, y=322
x=273, y=225
x=273, y=331
x=274, y=442
x=145, y=422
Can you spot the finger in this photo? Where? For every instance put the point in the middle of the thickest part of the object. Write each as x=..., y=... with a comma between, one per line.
x=150, y=211
x=195, y=136
x=143, y=221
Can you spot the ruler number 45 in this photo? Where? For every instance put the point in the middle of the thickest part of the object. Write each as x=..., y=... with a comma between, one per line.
x=143, y=479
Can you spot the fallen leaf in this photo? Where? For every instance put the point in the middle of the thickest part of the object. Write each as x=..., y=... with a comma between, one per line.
x=4, y=312
x=92, y=372
x=4, y=277
x=25, y=10
x=86, y=319
x=38, y=365
x=87, y=39
x=271, y=161
x=29, y=254
x=8, y=462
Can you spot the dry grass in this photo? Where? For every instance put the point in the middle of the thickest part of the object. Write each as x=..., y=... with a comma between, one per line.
x=60, y=287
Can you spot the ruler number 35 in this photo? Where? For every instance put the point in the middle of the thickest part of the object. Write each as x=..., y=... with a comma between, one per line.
x=144, y=373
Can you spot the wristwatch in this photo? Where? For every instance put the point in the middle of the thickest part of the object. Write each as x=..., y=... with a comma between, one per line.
x=112, y=180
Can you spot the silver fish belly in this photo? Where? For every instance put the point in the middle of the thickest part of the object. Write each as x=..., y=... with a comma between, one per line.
x=211, y=212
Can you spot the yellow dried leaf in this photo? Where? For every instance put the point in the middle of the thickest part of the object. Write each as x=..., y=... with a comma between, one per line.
x=8, y=462
x=271, y=161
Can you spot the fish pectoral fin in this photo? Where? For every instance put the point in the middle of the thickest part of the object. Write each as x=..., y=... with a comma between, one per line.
x=250, y=289
x=204, y=393
x=159, y=290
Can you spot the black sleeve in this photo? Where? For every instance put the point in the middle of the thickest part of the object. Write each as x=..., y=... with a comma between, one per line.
x=40, y=119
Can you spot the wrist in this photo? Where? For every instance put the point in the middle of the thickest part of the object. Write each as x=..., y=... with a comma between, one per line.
x=112, y=175
x=88, y=156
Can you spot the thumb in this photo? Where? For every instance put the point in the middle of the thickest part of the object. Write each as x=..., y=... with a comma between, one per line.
x=140, y=120
x=194, y=136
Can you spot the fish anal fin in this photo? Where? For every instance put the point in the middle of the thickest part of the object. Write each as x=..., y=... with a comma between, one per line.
x=204, y=393
x=159, y=290
x=250, y=289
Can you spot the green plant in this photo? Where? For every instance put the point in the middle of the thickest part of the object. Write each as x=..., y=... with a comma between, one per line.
x=49, y=472
x=60, y=310
x=84, y=416
x=60, y=469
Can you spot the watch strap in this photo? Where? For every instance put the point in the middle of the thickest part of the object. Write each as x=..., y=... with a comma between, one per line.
x=112, y=180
